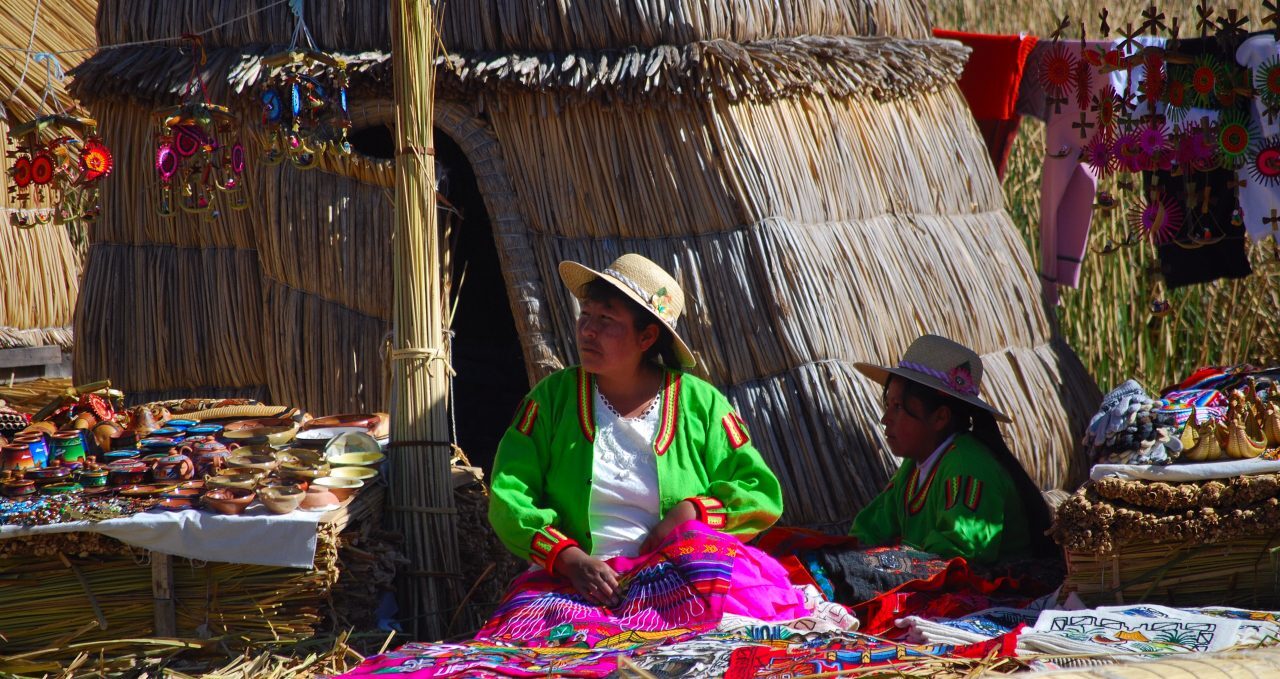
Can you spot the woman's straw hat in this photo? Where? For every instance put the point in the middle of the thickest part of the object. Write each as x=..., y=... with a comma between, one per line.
x=937, y=362
x=645, y=283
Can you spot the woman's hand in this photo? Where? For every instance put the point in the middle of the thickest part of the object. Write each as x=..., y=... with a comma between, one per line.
x=683, y=511
x=592, y=577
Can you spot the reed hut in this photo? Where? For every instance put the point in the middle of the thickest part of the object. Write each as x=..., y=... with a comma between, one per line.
x=40, y=266
x=807, y=169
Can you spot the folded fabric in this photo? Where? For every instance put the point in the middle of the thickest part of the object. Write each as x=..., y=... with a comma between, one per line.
x=1118, y=632
x=1203, y=471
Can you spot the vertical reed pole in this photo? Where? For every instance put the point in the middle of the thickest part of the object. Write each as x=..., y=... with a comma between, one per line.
x=421, y=491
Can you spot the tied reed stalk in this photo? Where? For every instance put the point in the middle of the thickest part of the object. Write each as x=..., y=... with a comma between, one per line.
x=422, y=489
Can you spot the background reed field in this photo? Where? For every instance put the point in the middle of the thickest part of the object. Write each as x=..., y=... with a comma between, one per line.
x=1108, y=319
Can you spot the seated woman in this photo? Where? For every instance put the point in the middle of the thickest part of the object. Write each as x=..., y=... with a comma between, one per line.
x=615, y=472
x=959, y=492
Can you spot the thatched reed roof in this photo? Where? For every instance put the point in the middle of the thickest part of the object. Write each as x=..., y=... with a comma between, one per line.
x=866, y=68
x=517, y=25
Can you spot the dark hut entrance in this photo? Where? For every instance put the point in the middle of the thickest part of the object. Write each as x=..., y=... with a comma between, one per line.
x=486, y=350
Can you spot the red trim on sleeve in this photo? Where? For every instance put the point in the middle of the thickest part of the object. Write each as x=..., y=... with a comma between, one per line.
x=711, y=511
x=546, y=546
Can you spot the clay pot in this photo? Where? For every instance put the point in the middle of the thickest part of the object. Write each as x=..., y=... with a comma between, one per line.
x=18, y=487
x=16, y=456
x=282, y=499
x=93, y=478
x=48, y=475
x=210, y=456
x=340, y=487
x=175, y=467
x=320, y=499
x=39, y=446
x=126, y=472
x=68, y=445
x=228, y=500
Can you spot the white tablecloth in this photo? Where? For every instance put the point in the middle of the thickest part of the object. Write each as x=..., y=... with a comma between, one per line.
x=256, y=537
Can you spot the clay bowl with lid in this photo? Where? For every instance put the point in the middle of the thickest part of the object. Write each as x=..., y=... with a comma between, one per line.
x=282, y=499
x=228, y=500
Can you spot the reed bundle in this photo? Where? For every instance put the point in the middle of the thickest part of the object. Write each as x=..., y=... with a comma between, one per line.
x=32, y=395
x=513, y=25
x=868, y=68
x=1236, y=662
x=1240, y=572
x=1238, y=491
x=1086, y=521
x=422, y=488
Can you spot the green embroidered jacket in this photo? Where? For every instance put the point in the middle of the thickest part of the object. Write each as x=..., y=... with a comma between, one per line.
x=968, y=506
x=541, y=482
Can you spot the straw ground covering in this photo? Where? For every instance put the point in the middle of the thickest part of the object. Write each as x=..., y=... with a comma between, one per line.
x=1107, y=320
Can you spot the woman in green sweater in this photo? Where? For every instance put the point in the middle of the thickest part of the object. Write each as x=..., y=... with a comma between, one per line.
x=959, y=490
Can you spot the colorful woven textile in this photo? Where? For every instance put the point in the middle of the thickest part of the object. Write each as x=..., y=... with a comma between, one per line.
x=685, y=586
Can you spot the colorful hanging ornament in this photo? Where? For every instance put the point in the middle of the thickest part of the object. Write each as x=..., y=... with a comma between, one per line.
x=56, y=163
x=1264, y=163
x=304, y=101
x=1235, y=136
x=1129, y=153
x=1206, y=79
x=1159, y=218
x=198, y=151
x=1057, y=74
x=1196, y=147
x=1107, y=108
x=1099, y=155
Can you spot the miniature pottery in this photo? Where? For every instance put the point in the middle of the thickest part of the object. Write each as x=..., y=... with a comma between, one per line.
x=235, y=481
x=320, y=499
x=258, y=423
x=205, y=430
x=282, y=499
x=126, y=472
x=48, y=475
x=69, y=445
x=360, y=459
x=180, y=425
x=61, y=489
x=16, y=456
x=276, y=436
x=366, y=474
x=175, y=467
x=228, y=500
x=169, y=433
x=38, y=445
x=254, y=463
x=320, y=437
x=18, y=487
x=92, y=478
x=340, y=487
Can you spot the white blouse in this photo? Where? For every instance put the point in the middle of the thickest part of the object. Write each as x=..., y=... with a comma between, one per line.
x=624, y=480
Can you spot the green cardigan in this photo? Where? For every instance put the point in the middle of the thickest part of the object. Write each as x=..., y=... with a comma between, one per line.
x=541, y=483
x=968, y=506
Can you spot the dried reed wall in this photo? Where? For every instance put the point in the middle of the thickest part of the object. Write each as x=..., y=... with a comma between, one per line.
x=810, y=233
x=286, y=301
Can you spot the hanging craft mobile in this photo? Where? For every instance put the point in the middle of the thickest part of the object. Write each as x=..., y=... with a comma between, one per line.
x=198, y=151
x=304, y=102
x=56, y=163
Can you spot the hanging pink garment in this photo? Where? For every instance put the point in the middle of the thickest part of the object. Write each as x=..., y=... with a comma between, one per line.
x=1068, y=180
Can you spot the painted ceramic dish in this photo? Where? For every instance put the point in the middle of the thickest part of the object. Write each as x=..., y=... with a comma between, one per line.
x=282, y=499
x=359, y=459
x=366, y=474
x=228, y=500
x=143, y=490
x=340, y=487
x=61, y=489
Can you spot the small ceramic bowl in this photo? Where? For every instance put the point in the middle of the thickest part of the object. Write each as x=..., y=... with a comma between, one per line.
x=299, y=456
x=319, y=437
x=228, y=500
x=62, y=489
x=276, y=436
x=177, y=504
x=357, y=459
x=169, y=432
x=340, y=487
x=282, y=499
x=197, y=484
x=48, y=475
x=366, y=474
x=320, y=499
x=255, y=463
x=180, y=424
x=234, y=481
x=205, y=430
x=92, y=478
x=126, y=454
x=19, y=488
x=303, y=471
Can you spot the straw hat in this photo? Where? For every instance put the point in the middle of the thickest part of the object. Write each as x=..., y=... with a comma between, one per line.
x=937, y=362
x=645, y=283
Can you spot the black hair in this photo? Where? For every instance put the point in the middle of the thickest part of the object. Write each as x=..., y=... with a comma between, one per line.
x=663, y=350
x=982, y=425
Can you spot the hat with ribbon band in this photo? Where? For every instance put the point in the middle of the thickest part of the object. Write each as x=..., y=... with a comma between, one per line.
x=937, y=362
x=645, y=283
